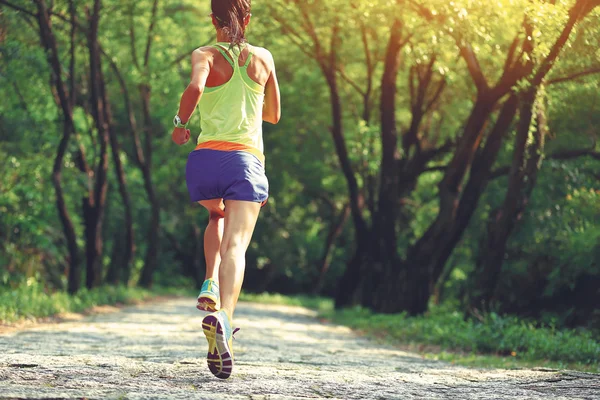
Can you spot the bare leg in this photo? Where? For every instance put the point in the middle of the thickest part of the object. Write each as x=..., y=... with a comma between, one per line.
x=213, y=235
x=240, y=220
x=212, y=246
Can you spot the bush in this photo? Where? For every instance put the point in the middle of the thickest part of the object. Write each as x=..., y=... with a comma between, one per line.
x=494, y=334
x=30, y=300
x=446, y=328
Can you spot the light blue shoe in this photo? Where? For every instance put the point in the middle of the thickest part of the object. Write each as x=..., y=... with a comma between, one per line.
x=219, y=334
x=209, y=298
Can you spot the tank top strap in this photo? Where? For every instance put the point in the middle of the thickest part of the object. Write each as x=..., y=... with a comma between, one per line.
x=232, y=54
x=250, y=53
x=225, y=53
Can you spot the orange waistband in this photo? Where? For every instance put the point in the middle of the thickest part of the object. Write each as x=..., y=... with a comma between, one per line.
x=231, y=146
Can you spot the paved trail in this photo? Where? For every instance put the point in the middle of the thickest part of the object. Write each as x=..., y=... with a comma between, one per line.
x=156, y=351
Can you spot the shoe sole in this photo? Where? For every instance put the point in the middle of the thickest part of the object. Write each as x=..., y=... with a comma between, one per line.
x=219, y=359
x=207, y=304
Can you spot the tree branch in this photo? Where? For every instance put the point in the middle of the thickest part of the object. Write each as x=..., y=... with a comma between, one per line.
x=435, y=168
x=310, y=28
x=436, y=95
x=576, y=153
x=370, y=70
x=576, y=13
x=293, y=36
x=139, y=154
x=411, y=85
x=422, y=11
x=433, y=153
x=150, y=31
x=335, y=31
x=72, y=95
x=132, y=37
x=18, y=8
x=561, y=155
x=575, y=75
x=474, y=68
x=510, y=57
x=350, y=81
x=370, y=64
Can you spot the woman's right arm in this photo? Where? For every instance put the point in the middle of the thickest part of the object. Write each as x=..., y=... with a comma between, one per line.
x=272, y=107
x=201, y=64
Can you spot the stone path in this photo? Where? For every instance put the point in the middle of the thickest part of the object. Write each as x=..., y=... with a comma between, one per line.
x=156, y=351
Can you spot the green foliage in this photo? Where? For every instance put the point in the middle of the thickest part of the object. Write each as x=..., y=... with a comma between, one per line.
x=494, y=334
x=31, y=300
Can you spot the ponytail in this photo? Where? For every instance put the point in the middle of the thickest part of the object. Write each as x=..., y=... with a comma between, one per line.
x=230, y=15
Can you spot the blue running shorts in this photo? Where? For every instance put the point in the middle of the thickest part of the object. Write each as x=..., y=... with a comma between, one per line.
x=228, y=175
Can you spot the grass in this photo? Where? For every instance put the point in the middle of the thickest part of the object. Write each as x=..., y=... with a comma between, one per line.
x=31, y=301
x=443, y=334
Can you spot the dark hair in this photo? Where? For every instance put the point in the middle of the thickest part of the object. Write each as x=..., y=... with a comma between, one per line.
x=230, y=16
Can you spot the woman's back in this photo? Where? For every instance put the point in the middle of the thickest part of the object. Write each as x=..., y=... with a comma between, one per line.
x=221, y=71
x=231, y=106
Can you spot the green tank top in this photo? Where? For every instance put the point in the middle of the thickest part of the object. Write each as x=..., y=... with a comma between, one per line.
x=232, y=112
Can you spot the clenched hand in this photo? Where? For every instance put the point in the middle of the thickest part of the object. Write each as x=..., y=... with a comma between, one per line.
x=180, y=135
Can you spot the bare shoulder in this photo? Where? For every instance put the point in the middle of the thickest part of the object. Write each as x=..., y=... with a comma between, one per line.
x=264, y=54
x=204, y=53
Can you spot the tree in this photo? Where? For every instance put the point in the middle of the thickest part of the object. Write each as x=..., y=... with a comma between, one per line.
x=376, y=264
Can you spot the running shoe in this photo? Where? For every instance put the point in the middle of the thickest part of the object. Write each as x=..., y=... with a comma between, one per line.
x=209, y=298
x=218, y=332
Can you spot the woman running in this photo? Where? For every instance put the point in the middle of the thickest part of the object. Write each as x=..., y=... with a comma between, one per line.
x=236, y=88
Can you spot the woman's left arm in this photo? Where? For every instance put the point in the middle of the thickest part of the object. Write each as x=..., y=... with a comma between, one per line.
x=201, y=64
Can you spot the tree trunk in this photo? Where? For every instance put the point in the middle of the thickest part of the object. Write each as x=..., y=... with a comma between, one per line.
x=127, y=248
x=479, y=175
x=334, y=232
x=143, y=158
x=90, y=221
x=346, y=291
x=152, y=249
x=94, y=205
x=146, y=277
x=126, y=255
x=427, y=258
x=74, y=276
x=191, y=259
x=385, y=219
x=522, y=179
x=49, y=43
x=383, y=258
x=440, y=285
x=114, y=273
x=350, y=280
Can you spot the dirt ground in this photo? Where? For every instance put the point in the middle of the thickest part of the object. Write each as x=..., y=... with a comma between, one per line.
x=157, y=350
